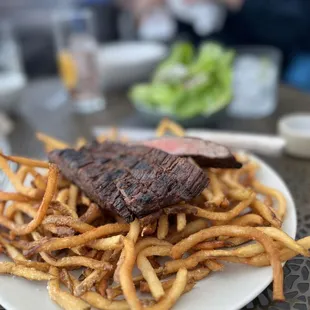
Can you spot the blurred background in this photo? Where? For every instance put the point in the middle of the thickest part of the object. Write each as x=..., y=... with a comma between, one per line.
x=68, y=66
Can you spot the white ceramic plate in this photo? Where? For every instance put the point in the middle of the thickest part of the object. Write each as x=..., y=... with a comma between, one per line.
x=228, y=290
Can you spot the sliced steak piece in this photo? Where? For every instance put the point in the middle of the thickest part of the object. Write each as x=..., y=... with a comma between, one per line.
x=130, y=181
x=206, y=153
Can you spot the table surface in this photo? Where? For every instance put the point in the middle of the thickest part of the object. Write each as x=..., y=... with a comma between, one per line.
x=38, y=110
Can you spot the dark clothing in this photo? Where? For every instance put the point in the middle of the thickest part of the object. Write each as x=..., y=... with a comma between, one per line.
x=284, y=24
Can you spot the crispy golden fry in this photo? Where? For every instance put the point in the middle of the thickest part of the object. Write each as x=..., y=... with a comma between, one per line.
x=147, y=270
x=85, y=200
x=181, y=221
x=73, y=195
x=63, y=196
x=92, y=213
x=211, y=245
x=248, y=220
x=285, y=239
x=228, y=179
x=21, y=173
x=239, y=193
x=68, y=221
x=168, y=125
x=26, y=161
x=207, y=194
x=102, y=286
x=66, y=279
x=112, y=293
x=24, y=207
x=64, y=299
x=285, y=254
x=70, y=242
x=163, y=227
x=50, y=142
x=174, y=293
x=80, y=142
x=25, y=272
x=218, y=197
x=145, y=288
x=63, y=208
x=132, y=235
x=190, y=229
x=76, y=261
x=267, y=213
x=150, y=241
x=125, y=275
x=224, y=216
x=178, y=209
x=99, y=302
x=235, y=241
x=281, y=208
x=61, y=231
x=26, y=191
x=5, y=196
x=253, y=233
x=149, y=229
x=193, y=260
x=47, y=198
x=268, y=201
x=36, y=265
x=194, y=275
x=89, y=282
x=73, y=260
x=11, y=251
x=110, y=243
x=214, y=265
x=38, y=181
x=134, y=231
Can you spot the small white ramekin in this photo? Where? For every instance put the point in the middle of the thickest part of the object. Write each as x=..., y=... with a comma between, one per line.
x=295, y=129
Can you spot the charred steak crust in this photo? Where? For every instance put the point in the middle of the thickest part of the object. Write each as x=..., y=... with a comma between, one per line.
x=130, y=181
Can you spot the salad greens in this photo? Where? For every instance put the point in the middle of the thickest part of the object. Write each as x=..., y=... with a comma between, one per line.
x=186, y=86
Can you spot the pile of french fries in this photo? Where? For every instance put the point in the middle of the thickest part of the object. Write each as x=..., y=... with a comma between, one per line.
x=52, y=232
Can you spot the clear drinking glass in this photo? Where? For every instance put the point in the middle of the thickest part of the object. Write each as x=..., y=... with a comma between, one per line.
x=255, y=82
x=77, y=59
x=12, y=78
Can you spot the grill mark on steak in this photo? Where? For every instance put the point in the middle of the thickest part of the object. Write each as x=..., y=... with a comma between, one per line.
x=131, y=181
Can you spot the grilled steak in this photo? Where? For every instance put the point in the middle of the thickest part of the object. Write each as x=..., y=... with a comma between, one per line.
x=131, y=181
x=205, y=153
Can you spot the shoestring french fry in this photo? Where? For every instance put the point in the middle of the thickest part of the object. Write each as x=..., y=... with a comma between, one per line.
x=281, y=208
x=125, y=275
x=147, y=270
x=163, y=227
x=26, y=161
x=64, y=299
x=181, y=221
x=51, y=143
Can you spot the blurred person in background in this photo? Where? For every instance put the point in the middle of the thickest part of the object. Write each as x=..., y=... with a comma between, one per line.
x=284, y=24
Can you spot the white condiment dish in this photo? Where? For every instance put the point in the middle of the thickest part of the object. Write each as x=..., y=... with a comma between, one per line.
x=295, y=130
